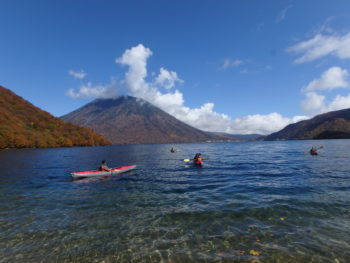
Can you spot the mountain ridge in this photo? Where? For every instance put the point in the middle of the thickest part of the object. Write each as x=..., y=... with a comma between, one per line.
x=330, y=125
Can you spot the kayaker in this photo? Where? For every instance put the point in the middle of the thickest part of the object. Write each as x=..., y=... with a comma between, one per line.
x=313, y=151
x=172, y=150
x=198, y=160
x=104, y=167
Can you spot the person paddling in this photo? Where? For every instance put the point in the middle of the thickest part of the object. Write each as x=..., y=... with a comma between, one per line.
x=313, y=151
x=198, y=160
x=104, y=167
x=172, y=150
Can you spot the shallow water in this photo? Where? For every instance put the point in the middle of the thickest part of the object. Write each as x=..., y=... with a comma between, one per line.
x=250, y=202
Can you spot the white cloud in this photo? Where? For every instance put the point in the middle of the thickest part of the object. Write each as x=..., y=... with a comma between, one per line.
x=282, y=15
x=333, y=78
x=78, y=74
x=167, y=79
x=90, y=91
x=231, y=63
x=136, y=59
x=339, y=103
x=262, y=124
x=322, y=45
x=203, y=117
x=313, y=103
x=316, y=103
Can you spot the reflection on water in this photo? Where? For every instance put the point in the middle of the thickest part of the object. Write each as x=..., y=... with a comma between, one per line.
x=251, y=202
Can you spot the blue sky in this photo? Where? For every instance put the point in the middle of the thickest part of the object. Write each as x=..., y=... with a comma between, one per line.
x=241, y=66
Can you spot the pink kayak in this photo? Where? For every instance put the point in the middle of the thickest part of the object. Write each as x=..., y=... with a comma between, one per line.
x=94, y=173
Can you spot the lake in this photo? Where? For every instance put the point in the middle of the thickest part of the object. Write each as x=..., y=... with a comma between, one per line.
x=250, y=202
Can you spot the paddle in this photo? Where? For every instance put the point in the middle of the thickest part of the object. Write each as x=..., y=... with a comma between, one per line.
x=189, y=160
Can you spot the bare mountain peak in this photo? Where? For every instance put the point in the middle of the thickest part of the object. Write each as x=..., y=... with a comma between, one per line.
x=127, y=119
x=122, y=101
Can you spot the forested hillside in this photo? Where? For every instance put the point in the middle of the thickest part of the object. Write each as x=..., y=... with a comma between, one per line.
x=330, y=125
x=22, y=125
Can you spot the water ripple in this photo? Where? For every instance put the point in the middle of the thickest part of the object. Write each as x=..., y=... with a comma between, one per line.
x=250, y=202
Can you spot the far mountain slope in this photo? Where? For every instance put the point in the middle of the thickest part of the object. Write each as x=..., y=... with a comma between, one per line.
x=242, y=137
x=331, y=125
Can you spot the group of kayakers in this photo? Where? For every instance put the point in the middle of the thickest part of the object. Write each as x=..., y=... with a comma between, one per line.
x=197, y=159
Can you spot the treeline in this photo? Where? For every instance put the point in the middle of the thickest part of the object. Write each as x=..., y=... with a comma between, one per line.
x=23, y=125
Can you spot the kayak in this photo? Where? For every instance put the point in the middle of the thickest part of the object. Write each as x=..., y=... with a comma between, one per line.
x=95, y=173
x=198, y=164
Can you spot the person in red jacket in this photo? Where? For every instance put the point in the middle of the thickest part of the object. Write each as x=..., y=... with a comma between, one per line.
x=198, y=160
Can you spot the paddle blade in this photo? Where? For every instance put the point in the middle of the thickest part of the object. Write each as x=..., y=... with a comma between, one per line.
x=187, y=160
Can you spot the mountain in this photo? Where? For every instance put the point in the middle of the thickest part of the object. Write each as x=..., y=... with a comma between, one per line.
x=25, y=126
x=331, y=125
x=130, y=120
x=248, y=137
x=242, y=137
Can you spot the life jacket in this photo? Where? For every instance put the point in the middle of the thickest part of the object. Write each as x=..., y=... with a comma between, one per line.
x=198, y=160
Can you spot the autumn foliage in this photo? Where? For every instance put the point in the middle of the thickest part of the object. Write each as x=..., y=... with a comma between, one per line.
x=22, y=125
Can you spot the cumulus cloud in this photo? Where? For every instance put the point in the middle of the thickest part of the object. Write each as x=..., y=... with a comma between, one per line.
x=77, y=74
x=136, y=59
x=333, y=78
x=316, y=103
x=172, y=102
x=339, y=102
x=313, y=103
x=322, y=45
x=90, y=91
x=167, y=79
x=262, y=124
x=162, y=92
